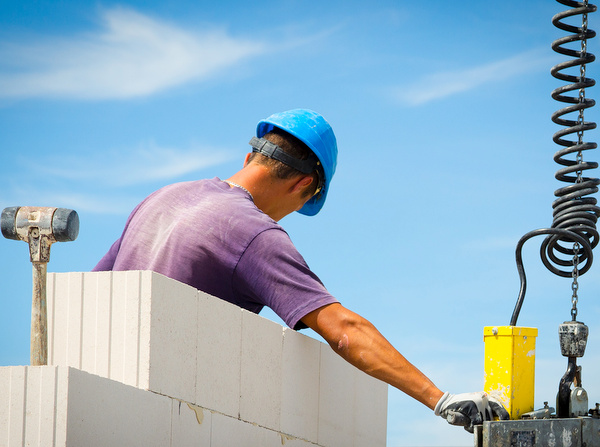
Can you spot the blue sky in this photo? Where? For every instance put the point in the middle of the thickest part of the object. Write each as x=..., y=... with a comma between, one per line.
x=442, y=114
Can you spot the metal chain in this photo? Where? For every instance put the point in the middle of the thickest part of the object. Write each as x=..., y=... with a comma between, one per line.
x=575, y=285
x=582, y=73
x=580, y=122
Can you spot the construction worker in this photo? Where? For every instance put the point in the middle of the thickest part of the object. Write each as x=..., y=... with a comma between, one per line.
x=222, y=237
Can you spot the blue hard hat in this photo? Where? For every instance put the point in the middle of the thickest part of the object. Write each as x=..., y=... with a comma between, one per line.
x=314, y=131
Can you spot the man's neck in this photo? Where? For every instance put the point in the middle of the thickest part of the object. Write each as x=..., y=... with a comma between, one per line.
x=275, y=197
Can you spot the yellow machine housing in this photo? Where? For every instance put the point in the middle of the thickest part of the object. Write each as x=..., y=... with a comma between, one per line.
x=510, y=366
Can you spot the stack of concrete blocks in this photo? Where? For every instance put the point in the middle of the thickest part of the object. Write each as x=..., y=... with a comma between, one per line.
x=138, y=359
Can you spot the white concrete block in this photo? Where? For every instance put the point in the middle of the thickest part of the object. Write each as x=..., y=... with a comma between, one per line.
x=173, y=336
x=129, y=356
x=53, y=406
x=95, y=325
x=300, y=385
x=262, y=344
x=41, y=402
x=62, y=405
x=228, y=431
x=28, y=409
x=103, y=412
x=138, y=328
x=73, y=320
x=219, y=348
x=336, y=400
x=190, y=425
x=370, y=417
x=290, y=441
x=12, y=406
x=64, y=319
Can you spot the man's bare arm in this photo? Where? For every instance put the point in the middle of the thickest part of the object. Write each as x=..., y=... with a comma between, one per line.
x=361, y=344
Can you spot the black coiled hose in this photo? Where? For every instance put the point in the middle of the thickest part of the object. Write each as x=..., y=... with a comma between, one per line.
x=573, y=235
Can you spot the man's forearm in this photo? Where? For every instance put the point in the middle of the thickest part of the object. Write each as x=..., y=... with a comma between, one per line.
x=361, y=344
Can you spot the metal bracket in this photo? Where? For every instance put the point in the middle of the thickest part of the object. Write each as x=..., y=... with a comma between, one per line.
x=573, y=432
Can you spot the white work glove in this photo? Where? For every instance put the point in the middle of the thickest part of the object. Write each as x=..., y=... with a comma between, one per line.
x=469, y=409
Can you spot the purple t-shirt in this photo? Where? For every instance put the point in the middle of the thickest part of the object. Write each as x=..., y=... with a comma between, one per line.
x=211, y=236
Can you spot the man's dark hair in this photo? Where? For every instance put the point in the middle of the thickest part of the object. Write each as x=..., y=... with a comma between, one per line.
x=292, y=146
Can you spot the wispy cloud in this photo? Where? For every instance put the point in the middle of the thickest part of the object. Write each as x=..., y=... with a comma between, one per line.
x=106, y=183
x=127, y=167
x=75, y=198
x=444, y=84
x=132, y=55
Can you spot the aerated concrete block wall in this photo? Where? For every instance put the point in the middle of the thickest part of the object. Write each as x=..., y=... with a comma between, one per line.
x=141, y=349
x=51, y=406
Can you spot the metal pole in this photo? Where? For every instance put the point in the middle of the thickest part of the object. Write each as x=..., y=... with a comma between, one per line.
x=39, y=316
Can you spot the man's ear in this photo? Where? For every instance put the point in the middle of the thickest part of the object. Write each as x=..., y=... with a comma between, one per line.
x=246, y=159
x=302, y=183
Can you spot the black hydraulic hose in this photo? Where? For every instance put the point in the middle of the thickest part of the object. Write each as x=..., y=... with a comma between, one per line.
x=573, y=233
x=555, y=232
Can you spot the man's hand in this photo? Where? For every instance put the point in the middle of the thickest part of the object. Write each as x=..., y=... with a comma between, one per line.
x=470, y=409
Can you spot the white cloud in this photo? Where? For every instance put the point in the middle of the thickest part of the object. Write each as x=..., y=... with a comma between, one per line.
x=128, y=167
x=441, y=85
x=133, y=55
x=105, y=183
x=72, y=198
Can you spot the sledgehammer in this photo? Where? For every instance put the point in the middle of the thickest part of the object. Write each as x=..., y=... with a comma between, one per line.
x=40, y=228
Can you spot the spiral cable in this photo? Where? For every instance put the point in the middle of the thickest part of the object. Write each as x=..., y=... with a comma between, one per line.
x=573, y=234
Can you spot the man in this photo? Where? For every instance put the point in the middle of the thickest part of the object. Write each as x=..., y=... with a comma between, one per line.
x=222, y=237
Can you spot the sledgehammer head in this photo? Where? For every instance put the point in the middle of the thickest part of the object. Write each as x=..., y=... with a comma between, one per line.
x=40, y=227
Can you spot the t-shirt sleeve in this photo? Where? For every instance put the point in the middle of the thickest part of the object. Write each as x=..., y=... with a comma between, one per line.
x=272, y=273
x=108, y=260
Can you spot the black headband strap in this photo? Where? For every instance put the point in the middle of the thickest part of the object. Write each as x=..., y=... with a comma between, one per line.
x=271, y=150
